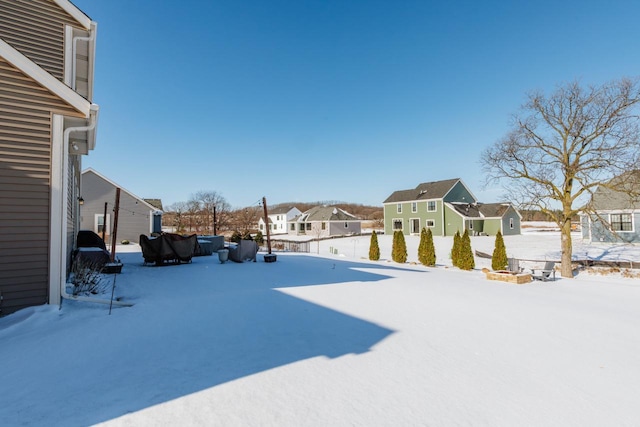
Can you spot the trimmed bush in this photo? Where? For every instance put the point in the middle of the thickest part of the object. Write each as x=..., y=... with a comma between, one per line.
x=426, y=249
x=499, y=259
x=374, y=248
x=259, y=238
x=431, y=250
x=466, y=260
x=455, y=250
x=236, y=236
x=399, y=249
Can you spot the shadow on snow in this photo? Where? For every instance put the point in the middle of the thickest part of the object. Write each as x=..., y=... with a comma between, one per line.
x=194, y=326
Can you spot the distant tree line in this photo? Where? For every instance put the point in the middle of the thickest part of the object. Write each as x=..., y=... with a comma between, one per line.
x=198, y=213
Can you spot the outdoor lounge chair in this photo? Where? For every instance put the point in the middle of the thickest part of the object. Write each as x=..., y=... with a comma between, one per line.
x=547, y=273
x=244, y=250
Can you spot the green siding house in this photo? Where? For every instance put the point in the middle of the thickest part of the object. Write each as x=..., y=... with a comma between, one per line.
x=446, y=207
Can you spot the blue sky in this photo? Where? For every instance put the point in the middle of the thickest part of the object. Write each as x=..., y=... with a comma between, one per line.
x=331, y=100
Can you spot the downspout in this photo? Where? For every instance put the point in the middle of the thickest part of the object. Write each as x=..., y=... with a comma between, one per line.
x=63, y=249
x=89, y=39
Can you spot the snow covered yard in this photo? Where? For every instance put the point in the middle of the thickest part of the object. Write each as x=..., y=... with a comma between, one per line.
x=316, y=340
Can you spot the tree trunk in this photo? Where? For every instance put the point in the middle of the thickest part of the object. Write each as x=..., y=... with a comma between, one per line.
x=567, y=248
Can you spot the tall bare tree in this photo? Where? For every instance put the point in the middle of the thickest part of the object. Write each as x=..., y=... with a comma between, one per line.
x=563, y=146
x=207, y=201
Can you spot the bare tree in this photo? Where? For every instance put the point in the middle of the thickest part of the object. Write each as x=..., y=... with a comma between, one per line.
x=207, y=201
x=562, y=147
x=318, y=230
x=177, y=209
x=246, y=219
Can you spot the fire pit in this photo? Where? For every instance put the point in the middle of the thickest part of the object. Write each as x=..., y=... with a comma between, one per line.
x=507, y=276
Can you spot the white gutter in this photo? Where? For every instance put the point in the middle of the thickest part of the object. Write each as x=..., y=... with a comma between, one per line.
x=63, y=242
x=90, y=39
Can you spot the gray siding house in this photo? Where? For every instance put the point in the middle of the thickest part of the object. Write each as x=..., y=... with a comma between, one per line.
x=136, y=216
x=325, y=221
x=447, y=207
x=616, y=214
x=47, y=123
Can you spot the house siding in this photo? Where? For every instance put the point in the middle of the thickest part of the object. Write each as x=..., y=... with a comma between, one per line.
x=36, y=28
x=459, y=193
x=390, y=213
x=511, y=214
x=454, y=222
x=134, y=217
x=337, y=228
x=600, y=232
x=25, y=178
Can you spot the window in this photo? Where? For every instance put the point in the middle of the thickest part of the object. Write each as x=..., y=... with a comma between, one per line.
x=324, y=226
x=414, y=207
x=470, y=225
x=511, y=223
x=261, y=227
x=621, y=222
x=431, y=223
x=397, y=224
x=346, y=225
x=308, y=226
x=293, y=227
x=99, y=224
x=431, y=206
x=399, y=208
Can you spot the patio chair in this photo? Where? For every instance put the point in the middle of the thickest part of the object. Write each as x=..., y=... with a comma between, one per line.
x=514, y=265
x=545, y=274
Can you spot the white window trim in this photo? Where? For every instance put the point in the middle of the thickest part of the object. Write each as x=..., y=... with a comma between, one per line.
x=631, y=214
x=399, y=208
x=107, y=223
x=394, y=220
x=511, y=223
x=435, y=206
x=411, y=224
x=432, y=221
x=414, y=207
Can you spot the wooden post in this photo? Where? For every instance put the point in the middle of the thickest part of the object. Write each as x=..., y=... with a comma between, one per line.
x=215, y=225
x=104, y=222
x=266, y=223
x=115, y=225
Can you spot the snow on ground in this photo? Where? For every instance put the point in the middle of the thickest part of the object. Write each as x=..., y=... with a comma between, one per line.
x=332, y=339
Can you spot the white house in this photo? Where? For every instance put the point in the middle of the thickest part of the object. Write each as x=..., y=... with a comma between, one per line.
x=278, y=218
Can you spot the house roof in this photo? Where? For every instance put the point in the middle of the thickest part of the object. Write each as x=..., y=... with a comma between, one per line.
x=325, y=213
x=149, y=205
x=424, y=191
x=621, y=192
x=481, y=210
x=156, y=203
x=493, y=210
x=281, y=210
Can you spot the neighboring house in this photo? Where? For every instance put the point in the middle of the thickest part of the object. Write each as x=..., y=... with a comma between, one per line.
x=616, y=216
x=325, y=221
x=278, y=218
x=446, y=207
x=136, y=216
x=47, y=122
